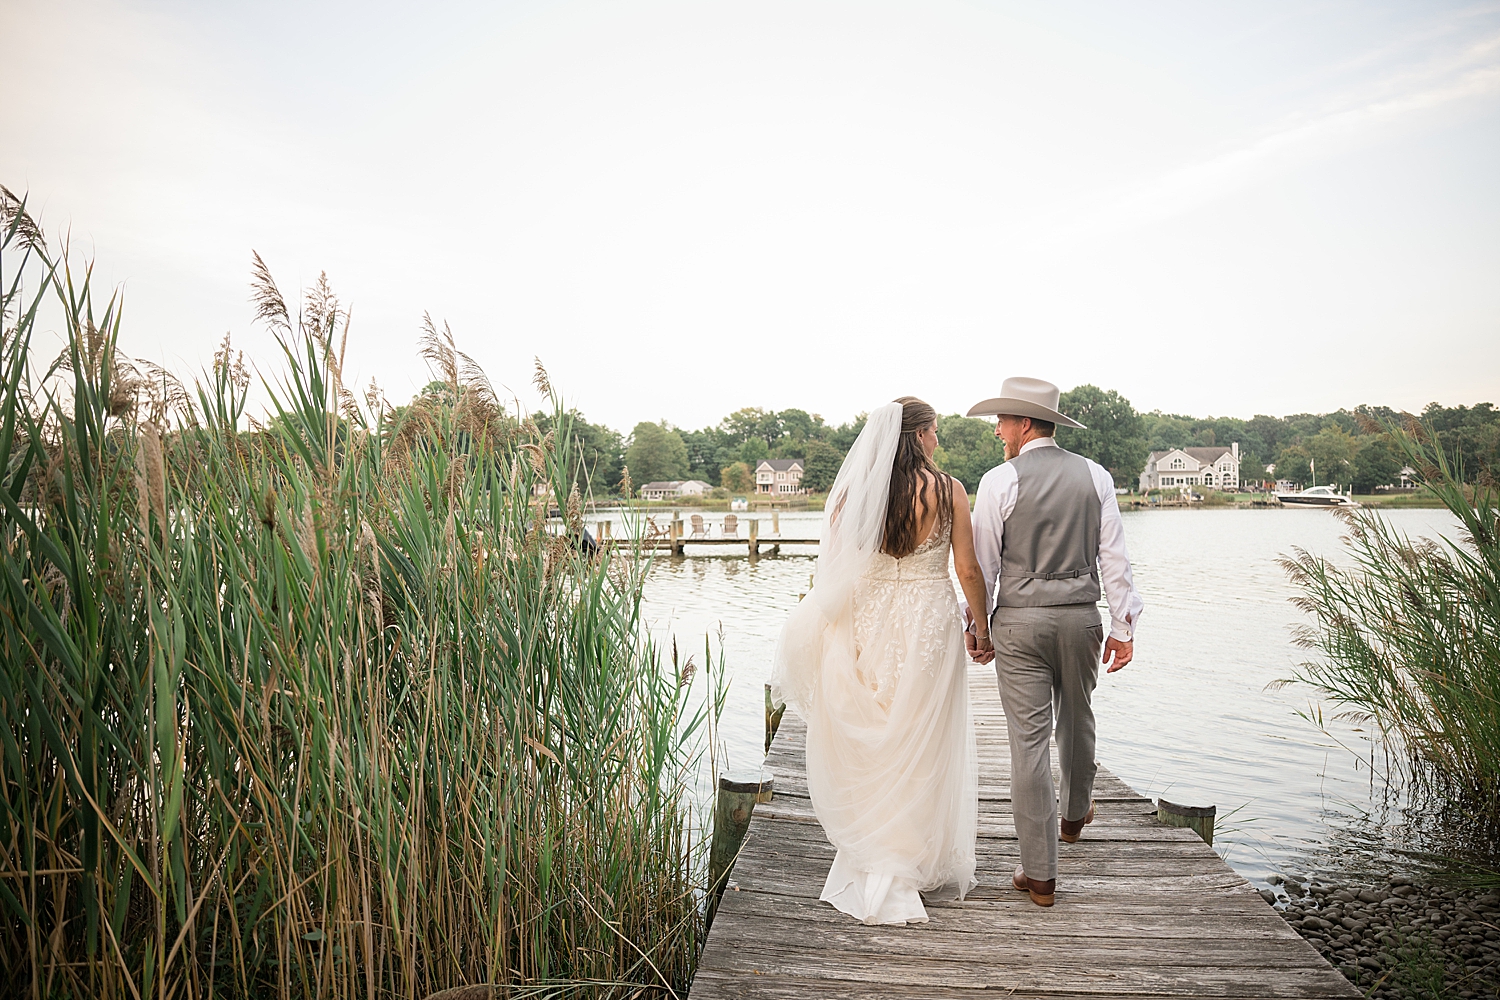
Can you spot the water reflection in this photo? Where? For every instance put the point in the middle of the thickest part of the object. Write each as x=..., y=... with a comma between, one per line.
x=1192, y=719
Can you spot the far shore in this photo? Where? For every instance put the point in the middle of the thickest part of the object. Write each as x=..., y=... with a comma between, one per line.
x=813, y=502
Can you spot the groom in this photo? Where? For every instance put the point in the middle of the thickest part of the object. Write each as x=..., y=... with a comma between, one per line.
x=1047, y=531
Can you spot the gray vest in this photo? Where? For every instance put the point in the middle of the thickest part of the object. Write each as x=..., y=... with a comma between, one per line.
x=1049, y=551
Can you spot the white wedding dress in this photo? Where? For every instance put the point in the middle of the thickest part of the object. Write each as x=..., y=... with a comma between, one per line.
x=876, y=666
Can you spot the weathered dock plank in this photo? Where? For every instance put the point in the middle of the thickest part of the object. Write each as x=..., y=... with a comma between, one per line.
x=1143, y=910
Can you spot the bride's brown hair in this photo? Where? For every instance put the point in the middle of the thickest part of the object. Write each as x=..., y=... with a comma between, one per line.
x=911, y=474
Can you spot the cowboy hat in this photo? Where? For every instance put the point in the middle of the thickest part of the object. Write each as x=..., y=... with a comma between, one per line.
x=1025, y=397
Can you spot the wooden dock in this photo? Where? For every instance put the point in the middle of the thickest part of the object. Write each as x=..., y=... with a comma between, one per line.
x=1143, y=909
x=676, y=537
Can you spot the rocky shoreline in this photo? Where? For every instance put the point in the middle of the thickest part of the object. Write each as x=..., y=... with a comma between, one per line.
x=1397, y=938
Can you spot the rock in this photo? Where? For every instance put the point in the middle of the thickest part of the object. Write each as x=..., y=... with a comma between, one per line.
x=1274, y=879
x=1268, y=896
x=1315, y=924
x=1370, y=896
x=1369, y=963
x=1405, y=889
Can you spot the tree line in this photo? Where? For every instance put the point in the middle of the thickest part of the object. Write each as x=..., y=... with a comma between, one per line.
x=1350, y=448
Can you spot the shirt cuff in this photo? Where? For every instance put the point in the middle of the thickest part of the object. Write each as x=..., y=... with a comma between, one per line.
x=1121, y=631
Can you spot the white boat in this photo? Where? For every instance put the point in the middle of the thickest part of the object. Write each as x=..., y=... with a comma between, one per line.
x=1318, y=496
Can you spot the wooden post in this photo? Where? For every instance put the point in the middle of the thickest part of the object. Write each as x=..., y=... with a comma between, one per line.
x=732, y=809
x=776, y=522
x=773, y=718
x=1199, y=819
x=676, y=533
x=754, y=537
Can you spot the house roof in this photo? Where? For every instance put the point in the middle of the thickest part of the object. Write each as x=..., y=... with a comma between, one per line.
x=674, y=484
x=779, y=464
x=1207, y=456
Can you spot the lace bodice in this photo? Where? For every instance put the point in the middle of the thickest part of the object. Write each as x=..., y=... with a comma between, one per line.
x=904, y=611
x=928, y=561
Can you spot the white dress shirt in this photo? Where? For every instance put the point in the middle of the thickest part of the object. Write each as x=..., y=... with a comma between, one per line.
x=993, y=505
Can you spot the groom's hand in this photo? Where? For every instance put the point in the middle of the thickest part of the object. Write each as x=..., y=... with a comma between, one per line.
x=1123, y=652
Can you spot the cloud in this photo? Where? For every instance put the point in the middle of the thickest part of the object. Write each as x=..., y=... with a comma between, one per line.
x=1193, y=185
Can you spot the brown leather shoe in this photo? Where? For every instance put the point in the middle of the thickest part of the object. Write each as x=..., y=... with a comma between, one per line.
x=1072, y=829
x=1042, y=893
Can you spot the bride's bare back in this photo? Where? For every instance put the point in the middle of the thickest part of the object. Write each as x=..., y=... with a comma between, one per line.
x=928, y=512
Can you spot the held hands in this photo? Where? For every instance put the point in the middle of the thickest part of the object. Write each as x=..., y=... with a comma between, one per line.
x=981, y=649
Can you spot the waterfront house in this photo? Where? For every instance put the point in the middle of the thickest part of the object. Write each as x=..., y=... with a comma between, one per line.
x=674, y=489
x=778, y=476
x=1406, y=482
x=1217, y=468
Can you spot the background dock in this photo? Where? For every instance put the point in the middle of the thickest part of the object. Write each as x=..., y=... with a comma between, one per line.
x=1143, y=909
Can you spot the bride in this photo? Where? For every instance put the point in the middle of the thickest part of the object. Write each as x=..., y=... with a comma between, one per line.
x=873, y=660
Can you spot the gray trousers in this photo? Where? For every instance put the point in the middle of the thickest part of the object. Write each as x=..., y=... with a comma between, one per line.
x=1047, y=662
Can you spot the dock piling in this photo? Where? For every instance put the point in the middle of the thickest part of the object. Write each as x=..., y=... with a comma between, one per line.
x=1199, y=819
x=754, y=537
x=773, y=718
x=732, y=808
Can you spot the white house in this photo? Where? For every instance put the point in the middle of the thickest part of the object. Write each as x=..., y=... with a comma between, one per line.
x=778, y=475
x=675, y=488
x=1217, y=467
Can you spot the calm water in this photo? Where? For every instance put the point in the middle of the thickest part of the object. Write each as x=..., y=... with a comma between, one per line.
x=1190, y=719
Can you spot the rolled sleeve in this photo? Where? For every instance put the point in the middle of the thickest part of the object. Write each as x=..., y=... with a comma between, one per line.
x=1125, y=604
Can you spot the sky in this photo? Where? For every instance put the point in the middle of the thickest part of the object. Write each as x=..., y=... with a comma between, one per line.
x=686, y=208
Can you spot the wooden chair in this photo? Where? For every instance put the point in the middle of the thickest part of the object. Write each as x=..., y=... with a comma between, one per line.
x=699, y=531
x=731, y=526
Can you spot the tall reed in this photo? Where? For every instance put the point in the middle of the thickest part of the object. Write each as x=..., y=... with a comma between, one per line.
x=1410, y=634
x=320, y=708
